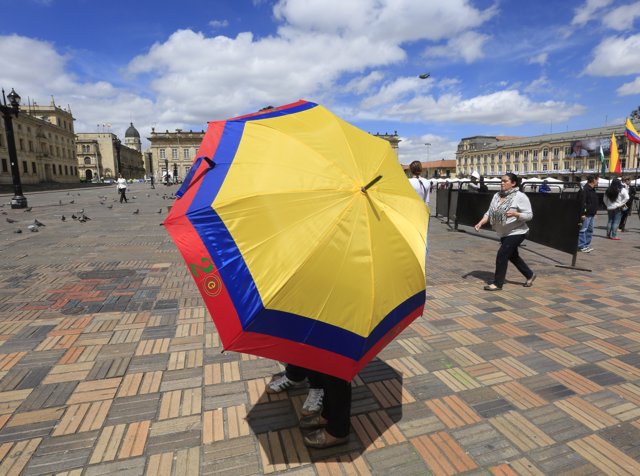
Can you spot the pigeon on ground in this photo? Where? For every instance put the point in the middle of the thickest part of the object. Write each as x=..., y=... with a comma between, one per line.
x=109, y=206
x=134, y=197
x=148, y=195
x=101, y=203
x=38, y=223
x=18, y=231
x=137, y=210
x=78, y=194
x=28, y=209
x=63, y=218
x=72, y=202
x=81, y=212
x=85, y=217
x=11, y=220
x=67, y=193
x=4, y=213
x=82, y=219
x=160, y=210
x=74, y=217
x=33, y=227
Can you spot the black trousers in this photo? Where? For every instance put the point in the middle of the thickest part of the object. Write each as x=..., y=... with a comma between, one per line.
x=297, y=374
x=508, y=251
x=123, y=194
x=336, y=407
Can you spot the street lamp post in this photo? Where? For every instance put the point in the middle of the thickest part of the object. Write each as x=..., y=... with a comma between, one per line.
x=117, y=143
x=150, y=159
x=18, y=200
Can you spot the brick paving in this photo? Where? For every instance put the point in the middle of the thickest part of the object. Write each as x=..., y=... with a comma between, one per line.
x=109, y=361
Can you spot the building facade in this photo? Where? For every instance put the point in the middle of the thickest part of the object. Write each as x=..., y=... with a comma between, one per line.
x=101, y=156
x=172, y=153
x=566, y=156
x=45, y=145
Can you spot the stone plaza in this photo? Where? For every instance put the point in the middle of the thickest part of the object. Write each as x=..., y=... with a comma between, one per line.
x=109, y=362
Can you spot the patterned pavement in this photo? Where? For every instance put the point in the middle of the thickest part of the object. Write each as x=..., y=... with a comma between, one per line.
x=109, y=362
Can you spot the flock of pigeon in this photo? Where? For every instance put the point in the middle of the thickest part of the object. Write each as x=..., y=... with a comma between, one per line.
x=79, y=216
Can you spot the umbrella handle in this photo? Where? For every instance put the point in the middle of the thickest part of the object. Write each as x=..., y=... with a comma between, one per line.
x=189, y=178
x=370, y=184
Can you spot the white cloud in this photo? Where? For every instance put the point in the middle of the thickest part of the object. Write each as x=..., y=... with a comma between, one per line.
x=623, y=17
x=362, y=84
x=540, y=59
x=587, y=11
x=414, y=148
x=628, y=89
x=467, y=46
x=538, y=85
x=616, y=56
x=217, y=24
x=91, y=103
x=395, y=90
x=509, y=108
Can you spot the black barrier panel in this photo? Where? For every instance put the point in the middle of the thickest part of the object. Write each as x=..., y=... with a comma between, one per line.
x=453, y=204
x=442, y=202
x=555, y=220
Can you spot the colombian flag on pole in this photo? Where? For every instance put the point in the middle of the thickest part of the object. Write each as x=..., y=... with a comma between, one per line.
x=614, y=162
x=631, y=132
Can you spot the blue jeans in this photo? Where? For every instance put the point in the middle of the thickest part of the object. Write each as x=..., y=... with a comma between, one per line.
x=614, y=220
x=586, y=232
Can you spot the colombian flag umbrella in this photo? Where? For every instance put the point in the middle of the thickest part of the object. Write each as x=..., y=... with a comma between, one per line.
x=304, y=237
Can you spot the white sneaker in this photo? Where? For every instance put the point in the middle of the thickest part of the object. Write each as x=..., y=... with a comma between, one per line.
x=313, y=403
x=283, y=383
x=585, y=250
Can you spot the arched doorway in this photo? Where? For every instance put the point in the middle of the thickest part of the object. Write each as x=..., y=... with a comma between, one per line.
x=88, y=175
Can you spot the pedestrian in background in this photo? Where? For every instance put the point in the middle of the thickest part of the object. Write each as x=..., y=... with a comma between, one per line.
x=626, y=210
x=508, y=213
x=615, y=199
x=589, y=207
x=419, y=184
x=122, y=188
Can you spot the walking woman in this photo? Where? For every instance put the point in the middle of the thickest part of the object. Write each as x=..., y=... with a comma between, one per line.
x=122, y=188
x=615, y=199
x=419, y=184
x=508, y=213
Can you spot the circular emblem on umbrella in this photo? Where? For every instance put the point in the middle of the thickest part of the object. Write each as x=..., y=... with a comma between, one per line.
x=212, y=285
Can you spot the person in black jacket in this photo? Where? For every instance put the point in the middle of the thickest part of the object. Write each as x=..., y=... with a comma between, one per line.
x=589, y=201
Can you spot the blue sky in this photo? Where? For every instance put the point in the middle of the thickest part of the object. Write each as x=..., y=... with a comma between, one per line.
x=501, y=67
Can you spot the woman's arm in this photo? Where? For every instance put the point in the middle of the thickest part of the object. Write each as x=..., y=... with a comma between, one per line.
x=522, y=209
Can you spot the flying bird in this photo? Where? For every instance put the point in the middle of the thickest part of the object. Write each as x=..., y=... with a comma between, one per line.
x=424, y=75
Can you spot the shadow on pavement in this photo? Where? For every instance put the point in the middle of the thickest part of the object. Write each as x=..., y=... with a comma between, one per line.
x=376, y=407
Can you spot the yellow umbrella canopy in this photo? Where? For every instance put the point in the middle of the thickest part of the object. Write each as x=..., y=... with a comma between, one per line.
x=321, y=240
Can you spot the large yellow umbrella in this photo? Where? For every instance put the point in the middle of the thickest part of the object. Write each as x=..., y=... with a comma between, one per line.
x=304, y=236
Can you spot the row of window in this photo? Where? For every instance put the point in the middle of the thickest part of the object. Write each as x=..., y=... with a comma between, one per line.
x=67, y=170
x=186, y=154
x=55, y=137
x=591, y=165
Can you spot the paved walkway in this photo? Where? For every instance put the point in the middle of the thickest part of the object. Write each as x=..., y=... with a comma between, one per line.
x=109, y=362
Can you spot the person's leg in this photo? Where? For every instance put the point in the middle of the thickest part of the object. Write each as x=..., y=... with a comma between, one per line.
x=507, y=246
x=582, y=234
x=616, y=221
x=517, y=260
x=121, y=194
x=623, y=219
x=610, y=216
x=295, y=373
x=335, y=417
x=589, y=231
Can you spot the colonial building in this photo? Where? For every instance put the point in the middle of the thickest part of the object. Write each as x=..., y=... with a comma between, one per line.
x=565, y=155
x=45, y=146
x=172, y=153
x=101, y=155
